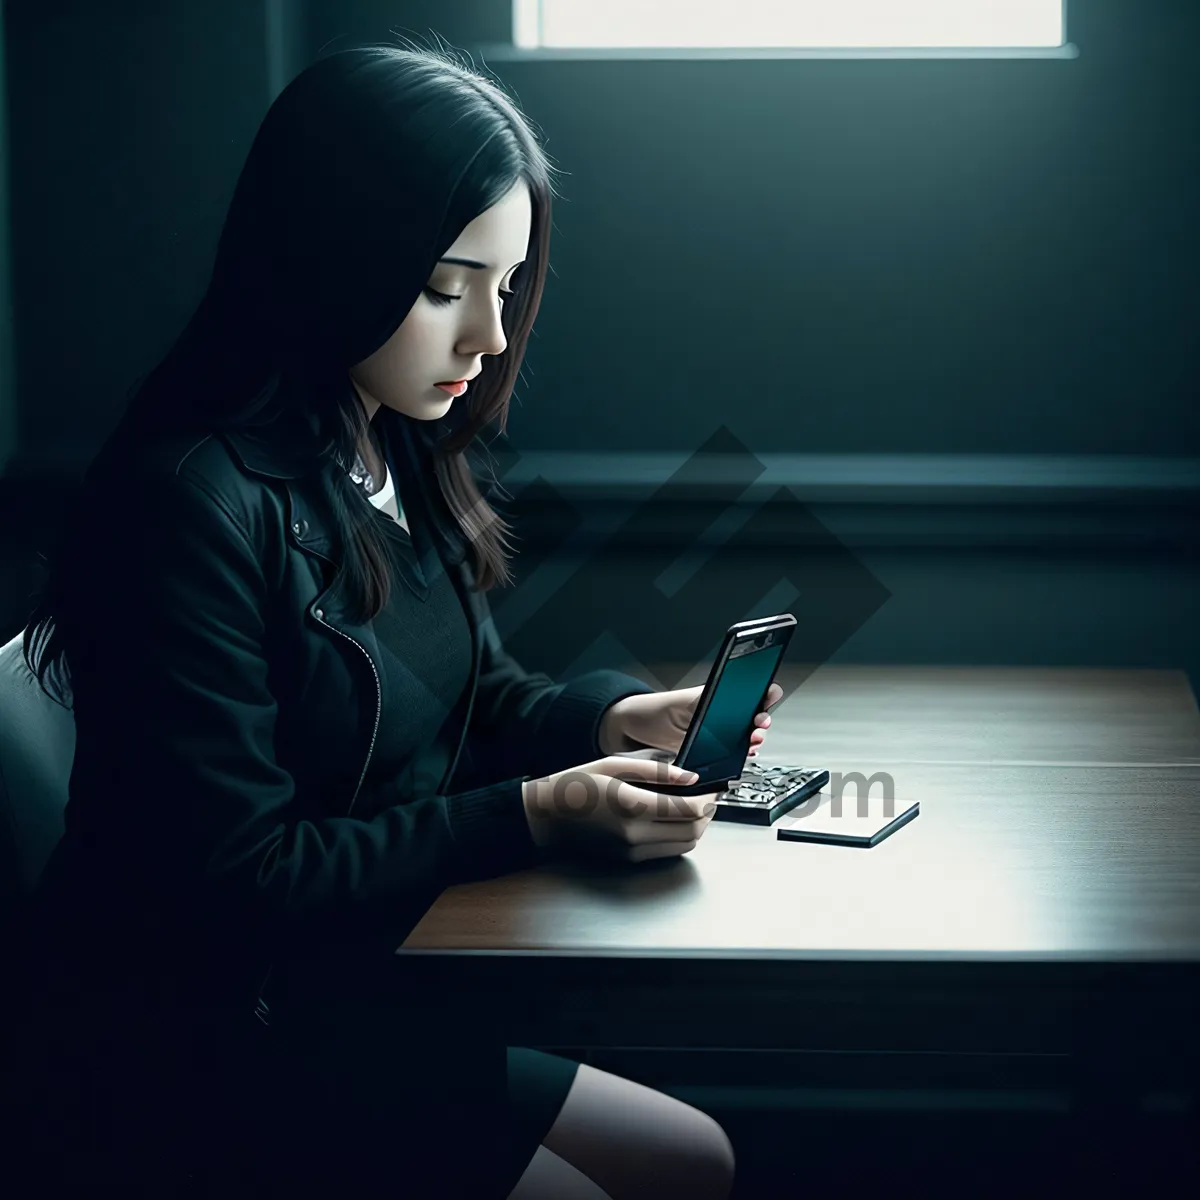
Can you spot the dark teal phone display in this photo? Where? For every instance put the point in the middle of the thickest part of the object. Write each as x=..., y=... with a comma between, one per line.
x=722, y=742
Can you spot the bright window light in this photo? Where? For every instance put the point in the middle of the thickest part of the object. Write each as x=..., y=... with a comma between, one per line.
x=788, y=24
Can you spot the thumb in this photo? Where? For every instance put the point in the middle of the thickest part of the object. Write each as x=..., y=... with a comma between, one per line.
x=651, y=766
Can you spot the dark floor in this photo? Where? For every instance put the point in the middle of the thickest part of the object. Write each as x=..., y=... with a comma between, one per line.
x=1000, y=1130
x=938, y=1156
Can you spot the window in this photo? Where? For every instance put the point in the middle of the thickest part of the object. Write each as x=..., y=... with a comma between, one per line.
x=773, y=26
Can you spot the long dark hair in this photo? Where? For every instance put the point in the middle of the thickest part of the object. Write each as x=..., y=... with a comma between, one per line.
x=366, y=168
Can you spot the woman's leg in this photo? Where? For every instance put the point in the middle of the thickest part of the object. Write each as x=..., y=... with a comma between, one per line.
x=549, y=1177
x=636, y=1142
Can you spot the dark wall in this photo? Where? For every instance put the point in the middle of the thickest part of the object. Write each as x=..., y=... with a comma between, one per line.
x=8, y=400
x=130, y=122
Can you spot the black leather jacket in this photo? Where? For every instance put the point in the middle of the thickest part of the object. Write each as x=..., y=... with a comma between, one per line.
x=226, y=711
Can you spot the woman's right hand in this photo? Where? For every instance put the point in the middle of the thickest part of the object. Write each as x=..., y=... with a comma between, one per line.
x=590, y=809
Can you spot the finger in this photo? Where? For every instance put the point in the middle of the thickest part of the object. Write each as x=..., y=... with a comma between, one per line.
x=671, y=832
x=648, y=754
x=656, y=767
x=641, y=833
x=665, y=850
x=647, y=804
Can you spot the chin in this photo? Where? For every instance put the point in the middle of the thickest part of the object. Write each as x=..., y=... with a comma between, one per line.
x=431, y=410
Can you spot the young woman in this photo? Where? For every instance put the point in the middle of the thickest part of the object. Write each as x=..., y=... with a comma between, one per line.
x=295, y=722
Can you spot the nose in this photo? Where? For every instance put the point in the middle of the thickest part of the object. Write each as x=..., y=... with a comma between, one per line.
x=485, y=334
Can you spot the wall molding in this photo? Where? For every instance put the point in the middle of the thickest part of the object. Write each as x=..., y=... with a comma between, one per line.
x=936, y=500
x=944, y=500
x=946, y=478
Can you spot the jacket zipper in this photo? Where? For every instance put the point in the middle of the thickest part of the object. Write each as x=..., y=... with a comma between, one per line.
x=261, y=1010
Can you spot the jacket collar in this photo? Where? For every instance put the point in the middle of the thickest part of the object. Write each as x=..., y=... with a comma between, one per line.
x=282, y=450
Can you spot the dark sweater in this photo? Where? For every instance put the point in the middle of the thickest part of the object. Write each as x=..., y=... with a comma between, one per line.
x=425, y=650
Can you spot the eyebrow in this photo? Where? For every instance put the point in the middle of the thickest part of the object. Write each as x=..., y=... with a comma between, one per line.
x=470, y=262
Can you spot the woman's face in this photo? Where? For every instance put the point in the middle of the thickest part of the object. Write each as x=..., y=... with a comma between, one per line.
x=444, y=340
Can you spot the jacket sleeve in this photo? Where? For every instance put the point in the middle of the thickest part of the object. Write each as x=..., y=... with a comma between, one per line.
x=524, y=723
x=176, y=783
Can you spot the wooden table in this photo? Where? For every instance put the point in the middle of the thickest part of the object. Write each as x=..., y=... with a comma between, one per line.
x=1036, y=928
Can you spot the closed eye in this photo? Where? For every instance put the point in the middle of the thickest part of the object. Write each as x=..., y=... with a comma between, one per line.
x=443, y=298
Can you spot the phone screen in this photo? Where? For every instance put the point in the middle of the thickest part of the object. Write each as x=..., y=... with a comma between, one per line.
x=723, y=739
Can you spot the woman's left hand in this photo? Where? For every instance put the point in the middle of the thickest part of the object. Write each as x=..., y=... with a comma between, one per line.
x=660, y=719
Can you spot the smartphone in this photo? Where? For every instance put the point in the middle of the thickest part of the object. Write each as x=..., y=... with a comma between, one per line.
x=717, y=741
